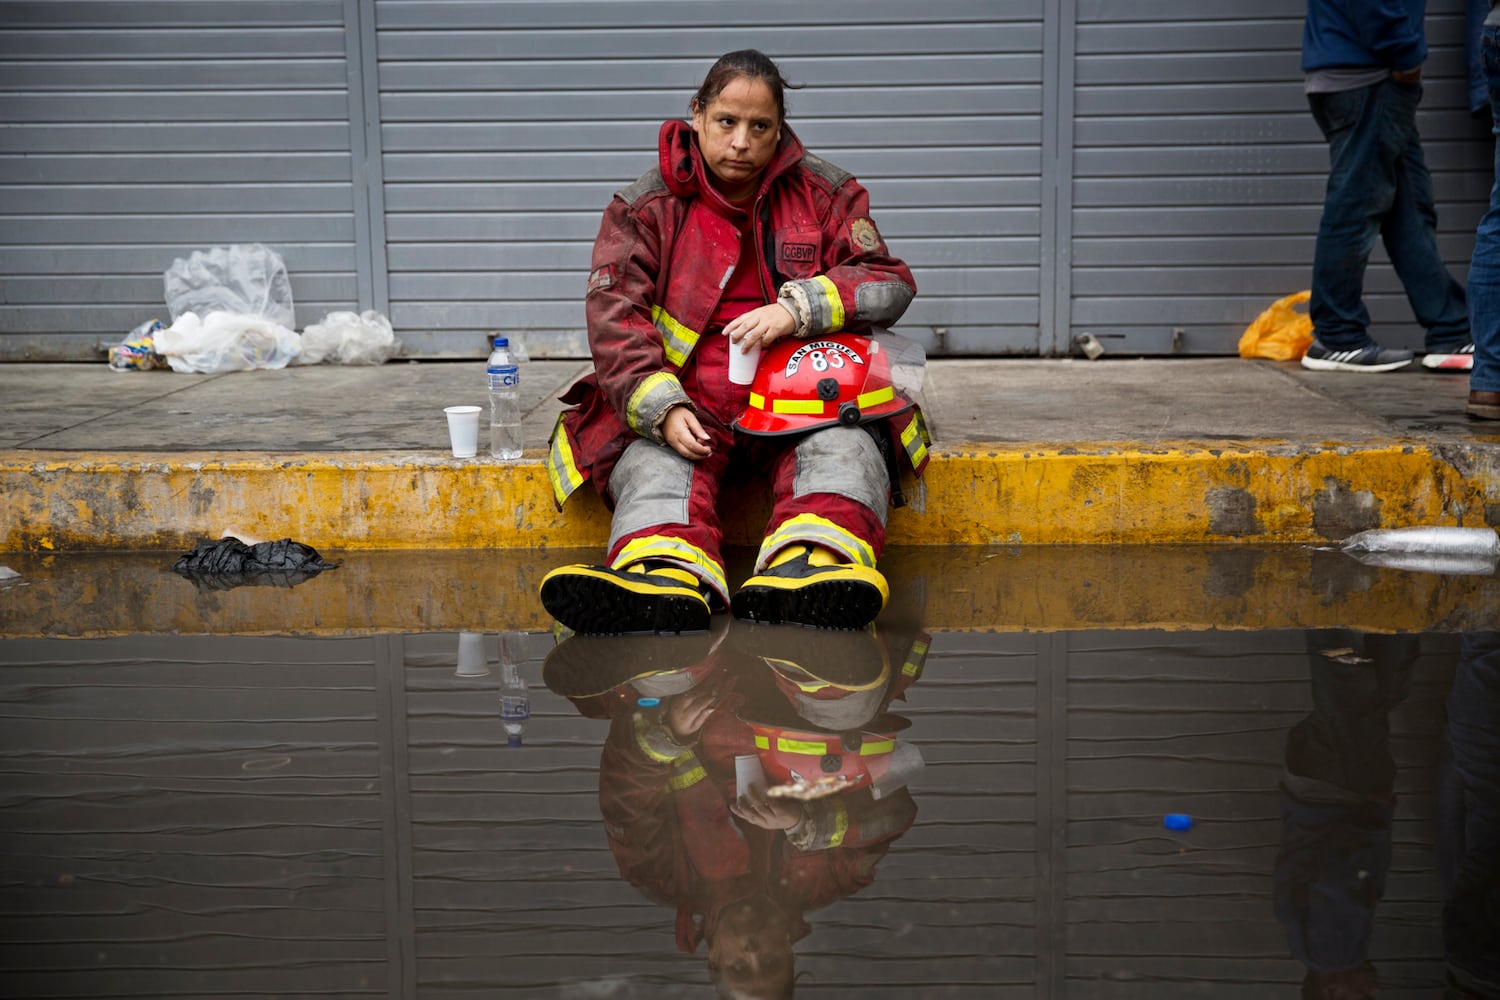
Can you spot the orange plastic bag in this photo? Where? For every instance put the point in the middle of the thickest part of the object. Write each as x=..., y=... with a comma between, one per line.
x=1281, y=333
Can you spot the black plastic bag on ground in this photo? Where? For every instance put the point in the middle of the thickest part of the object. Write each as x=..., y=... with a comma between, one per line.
x=229, y=563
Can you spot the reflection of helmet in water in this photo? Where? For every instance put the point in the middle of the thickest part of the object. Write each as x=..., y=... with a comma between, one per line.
x=801, y=385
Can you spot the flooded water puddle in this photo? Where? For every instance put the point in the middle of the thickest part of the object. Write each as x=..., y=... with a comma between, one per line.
x=934, y=808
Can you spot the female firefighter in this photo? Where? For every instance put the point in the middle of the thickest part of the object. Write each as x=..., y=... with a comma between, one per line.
x=739, y=239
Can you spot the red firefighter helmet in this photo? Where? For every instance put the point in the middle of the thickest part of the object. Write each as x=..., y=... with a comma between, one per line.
x=801, y=385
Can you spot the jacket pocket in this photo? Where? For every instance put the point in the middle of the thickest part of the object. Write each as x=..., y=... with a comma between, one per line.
x=798, y=251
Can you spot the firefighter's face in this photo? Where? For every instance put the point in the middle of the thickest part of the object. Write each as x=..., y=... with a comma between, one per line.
x=751, y=951
x=737, y=133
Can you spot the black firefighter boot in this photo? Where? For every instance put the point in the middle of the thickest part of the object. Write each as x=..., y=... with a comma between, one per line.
x=641, y=598
x=809, y=585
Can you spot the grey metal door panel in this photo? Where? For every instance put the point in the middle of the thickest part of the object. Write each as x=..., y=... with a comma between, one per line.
x=508, y=126
x=1198, y=173
x=137, y=133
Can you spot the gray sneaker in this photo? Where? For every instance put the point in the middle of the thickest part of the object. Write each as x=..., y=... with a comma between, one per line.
x=1371, y=358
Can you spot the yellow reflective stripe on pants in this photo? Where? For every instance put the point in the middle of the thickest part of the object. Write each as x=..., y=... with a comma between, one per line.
x=677, y=551
x=815, y=530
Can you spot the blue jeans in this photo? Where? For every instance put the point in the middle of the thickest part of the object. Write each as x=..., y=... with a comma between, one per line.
x=1484, y=270
x=1378, y=184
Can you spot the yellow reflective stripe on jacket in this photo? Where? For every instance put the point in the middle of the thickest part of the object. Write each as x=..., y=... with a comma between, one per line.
x=914, y=439
x=915, y=657
x=655, y=382
x=642, y=724
x=818, y=531
x=676, y=549
x=835, y=303
x=840, y=824
x=688, y=778
x=562, y=470
x=677, y=341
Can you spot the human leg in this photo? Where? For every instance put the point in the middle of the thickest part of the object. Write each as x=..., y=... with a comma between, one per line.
x=1409, y=229
x=816, y=565
x=1484, y=270
x=663, y=558
x=1358, y=195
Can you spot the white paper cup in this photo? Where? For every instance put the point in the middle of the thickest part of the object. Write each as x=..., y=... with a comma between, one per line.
x=471, y=661
x=741, y=365
x=748, y=773
x=463, y=430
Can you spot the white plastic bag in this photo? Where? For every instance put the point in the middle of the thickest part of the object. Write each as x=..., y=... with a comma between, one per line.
x=237, y=279
x=346, y=338
x=226, y=342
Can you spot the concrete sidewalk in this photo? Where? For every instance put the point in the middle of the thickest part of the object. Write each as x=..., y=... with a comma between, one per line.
x=1024, y=452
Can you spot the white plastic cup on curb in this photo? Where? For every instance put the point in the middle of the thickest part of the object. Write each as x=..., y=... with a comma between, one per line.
x=463, y=430
x=742, y=365
x=471, y=661
x=748, y=773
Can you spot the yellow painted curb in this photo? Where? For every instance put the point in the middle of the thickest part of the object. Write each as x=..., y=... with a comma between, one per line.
x=1188, y=492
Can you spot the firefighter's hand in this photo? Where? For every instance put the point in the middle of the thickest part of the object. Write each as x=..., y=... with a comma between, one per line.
x=684, y=435
x=756, y=807
x=760, y=327
x=687, y=712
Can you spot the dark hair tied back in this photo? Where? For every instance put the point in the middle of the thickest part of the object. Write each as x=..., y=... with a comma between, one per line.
x=751, y=63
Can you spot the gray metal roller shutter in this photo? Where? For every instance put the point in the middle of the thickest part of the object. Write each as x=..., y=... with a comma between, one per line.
x=508, y=126
x=1198, y=172
x=135, y=132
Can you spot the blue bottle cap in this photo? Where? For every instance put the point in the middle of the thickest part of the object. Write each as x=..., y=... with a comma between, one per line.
x=502, y=342
x=648, y=702
x=1177, y=821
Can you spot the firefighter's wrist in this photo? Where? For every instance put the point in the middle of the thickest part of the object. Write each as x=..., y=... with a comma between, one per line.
x=794, y=299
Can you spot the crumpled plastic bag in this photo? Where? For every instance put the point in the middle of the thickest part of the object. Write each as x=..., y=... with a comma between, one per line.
x=226, y=342
x=137, y=352
x=346, y=338
x=1281, y=333
x=229, y=563
x=247, y=279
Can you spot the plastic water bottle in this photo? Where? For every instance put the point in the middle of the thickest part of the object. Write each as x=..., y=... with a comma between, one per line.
x=504, y=377
x=515, y=701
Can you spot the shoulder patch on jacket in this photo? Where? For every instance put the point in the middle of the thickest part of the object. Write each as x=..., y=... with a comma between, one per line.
x=648, y=183
x=600, y=279
x=834, y=175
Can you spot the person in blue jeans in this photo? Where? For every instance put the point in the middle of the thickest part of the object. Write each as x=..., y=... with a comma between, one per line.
x=1484, y=270
x=1363, y=65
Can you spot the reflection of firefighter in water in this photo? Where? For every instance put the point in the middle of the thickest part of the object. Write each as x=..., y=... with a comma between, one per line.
x=742, y=870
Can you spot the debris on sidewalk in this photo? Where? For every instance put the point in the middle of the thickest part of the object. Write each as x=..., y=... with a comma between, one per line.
x=247, y=280
x=1459, y=551
x=229, y=563
x=349, y=338
x=226, y=342
x=1281, y=333
x=137, y=352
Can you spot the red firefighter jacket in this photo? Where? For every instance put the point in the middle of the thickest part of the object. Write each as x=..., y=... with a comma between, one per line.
x=666, y=249
x=666, y=813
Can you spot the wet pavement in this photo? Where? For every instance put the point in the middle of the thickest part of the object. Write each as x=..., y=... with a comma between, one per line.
x=1045, y=773
x=273, y=816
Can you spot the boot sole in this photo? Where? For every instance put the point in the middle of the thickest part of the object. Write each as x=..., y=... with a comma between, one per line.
x=835, y=603
x=1482, y=411
x=593, y=603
